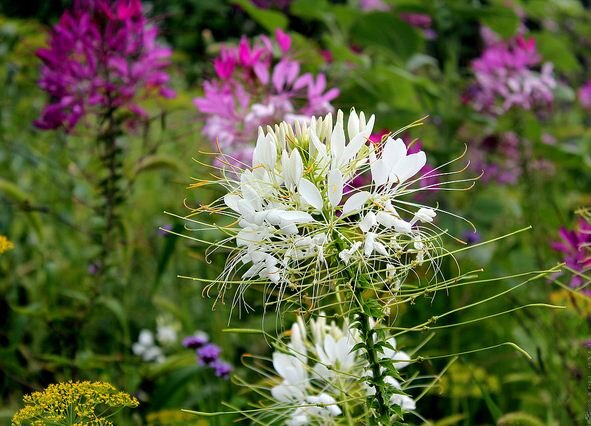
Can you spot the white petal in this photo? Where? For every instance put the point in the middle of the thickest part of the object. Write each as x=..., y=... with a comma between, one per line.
x=231, y=200
x=402, y=226
x=394, y=151
x=146, y=338
x=337, y=139
x=270, y=152
x=369, y=243
x=409, y=166
x=297, y=166
x=368, y=221
x=353, y=124
x=295, y=216
x=380, y=170
x=335, y=187
x=355, y=202
x=310, y=194
x=356, y=143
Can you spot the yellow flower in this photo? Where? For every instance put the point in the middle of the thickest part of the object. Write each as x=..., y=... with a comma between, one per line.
x=73, y=403
x=5, y=244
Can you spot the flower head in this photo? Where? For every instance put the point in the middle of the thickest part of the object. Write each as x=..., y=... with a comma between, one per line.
x=585, y=95
x=208, y=354
x=221, y=368
x=196, y=341
x=575, y=245
x=500, y=158
x=506, y=78
x=320, y=364
x=102, y=55
x=5, y=244
x=146, y=347
x=73, y=403
x=255, y=87
x=294, y=224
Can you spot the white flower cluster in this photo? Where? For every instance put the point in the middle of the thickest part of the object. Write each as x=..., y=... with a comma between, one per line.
x=321, y=370
x=147, y=345
x=300, y=214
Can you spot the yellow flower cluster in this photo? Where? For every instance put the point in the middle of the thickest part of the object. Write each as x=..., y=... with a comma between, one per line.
x=5, y=244
x=73, y=403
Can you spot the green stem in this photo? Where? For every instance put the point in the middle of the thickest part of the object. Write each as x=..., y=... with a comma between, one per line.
x=382, y=417
x=111, y=160
x=379, y=413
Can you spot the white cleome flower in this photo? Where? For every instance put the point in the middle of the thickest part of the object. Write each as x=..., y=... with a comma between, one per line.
x=297, y=215
x=146, y=348
x=320, y=367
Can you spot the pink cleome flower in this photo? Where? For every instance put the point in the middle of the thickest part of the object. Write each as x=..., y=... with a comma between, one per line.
x=254, y=86
x=500, y=156
x=506, y=77
x=102, y=56
x=575, y=245
x=585, y=95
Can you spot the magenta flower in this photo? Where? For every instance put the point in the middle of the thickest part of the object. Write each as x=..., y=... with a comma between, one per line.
x=575, y=246
x=257, y=85
x=102, y=56
x=371, y=5
x=585, y=95
x=506, y=78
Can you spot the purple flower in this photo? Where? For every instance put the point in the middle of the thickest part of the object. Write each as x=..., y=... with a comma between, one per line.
x=374, y=5
x=196, y=341
x=420, y=21
x=221, y=368
x=102, y=56
x=254, y=88
x=162, y=230
x=506, y=78
x=472, y=237
x=208, y=353
x=575, y=245
x=585, y=95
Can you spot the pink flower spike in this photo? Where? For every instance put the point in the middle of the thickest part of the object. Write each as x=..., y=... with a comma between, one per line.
x=283, y=40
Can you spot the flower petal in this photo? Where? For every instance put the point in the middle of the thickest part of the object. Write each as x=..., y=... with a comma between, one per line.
x=310, y=194
x=335, y=187
x=355, y=202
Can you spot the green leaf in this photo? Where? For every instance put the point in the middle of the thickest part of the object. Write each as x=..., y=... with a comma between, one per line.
x=118, y=311
x=309, y=9
x=557, y=49
x=269, y=19
x=502, y=20
x=519, y=419
x=385, y=32
x=155, y=162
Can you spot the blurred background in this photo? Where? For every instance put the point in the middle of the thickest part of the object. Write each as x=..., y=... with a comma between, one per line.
x=505, y=85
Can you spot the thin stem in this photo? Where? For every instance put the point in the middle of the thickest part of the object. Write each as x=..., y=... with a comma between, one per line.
x=367, y=333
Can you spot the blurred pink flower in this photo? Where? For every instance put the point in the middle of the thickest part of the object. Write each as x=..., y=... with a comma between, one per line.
x=102, y=56
x=575, y=245
x=254, y=88
x=370, y=5
x=585, y=95
x=499, y=156
x=506, y=78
